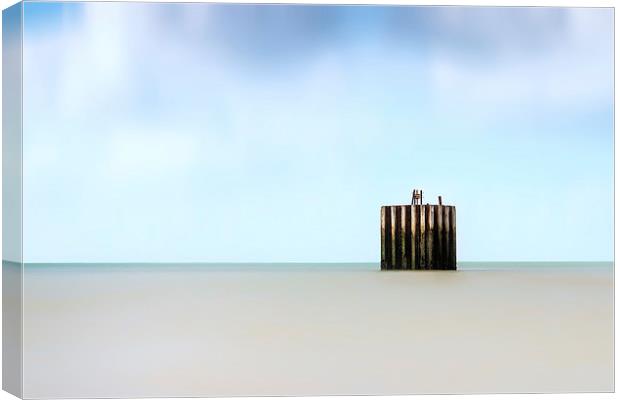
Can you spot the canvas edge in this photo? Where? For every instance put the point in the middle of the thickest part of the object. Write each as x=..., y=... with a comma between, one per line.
x=12, y=260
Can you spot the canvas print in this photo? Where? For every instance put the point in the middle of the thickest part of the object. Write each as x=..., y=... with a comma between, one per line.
x=205, y=199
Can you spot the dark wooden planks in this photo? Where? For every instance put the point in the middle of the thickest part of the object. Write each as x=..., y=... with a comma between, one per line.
x=422, y=238
x=445, y=211
x=405, y=237
x=418, y=237
x=383, y=238
x=440, y=229
x=415, y=237
x=453, y=237
x=393, y=238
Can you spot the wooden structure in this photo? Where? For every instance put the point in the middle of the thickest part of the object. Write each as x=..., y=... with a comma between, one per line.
x=418, y=236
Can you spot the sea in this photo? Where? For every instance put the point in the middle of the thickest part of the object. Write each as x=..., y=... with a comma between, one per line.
x=177, y=330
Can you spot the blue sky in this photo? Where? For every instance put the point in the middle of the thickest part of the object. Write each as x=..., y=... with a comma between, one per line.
x=204, y=133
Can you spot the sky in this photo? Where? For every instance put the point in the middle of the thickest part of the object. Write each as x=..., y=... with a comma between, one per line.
x=273, y=133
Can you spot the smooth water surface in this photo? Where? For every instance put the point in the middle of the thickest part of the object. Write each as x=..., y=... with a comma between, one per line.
x=108, y=330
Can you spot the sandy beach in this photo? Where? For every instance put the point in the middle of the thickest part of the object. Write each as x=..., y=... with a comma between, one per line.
x=190, y=331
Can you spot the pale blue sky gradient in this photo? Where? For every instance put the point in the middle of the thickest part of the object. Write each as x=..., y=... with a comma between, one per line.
x=204, y=133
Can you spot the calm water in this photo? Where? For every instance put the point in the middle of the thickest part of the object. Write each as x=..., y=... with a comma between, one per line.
x=140, y=330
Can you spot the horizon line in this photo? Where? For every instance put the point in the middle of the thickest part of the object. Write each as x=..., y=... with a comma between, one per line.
x=292, y=262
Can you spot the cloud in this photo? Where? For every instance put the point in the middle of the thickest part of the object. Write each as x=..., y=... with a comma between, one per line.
x=124, y=56
x=573, y=68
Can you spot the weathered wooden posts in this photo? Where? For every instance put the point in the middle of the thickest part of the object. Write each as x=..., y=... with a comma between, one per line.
x=418, y=236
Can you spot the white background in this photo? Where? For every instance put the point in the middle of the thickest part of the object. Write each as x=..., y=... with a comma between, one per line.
x=592, y=3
